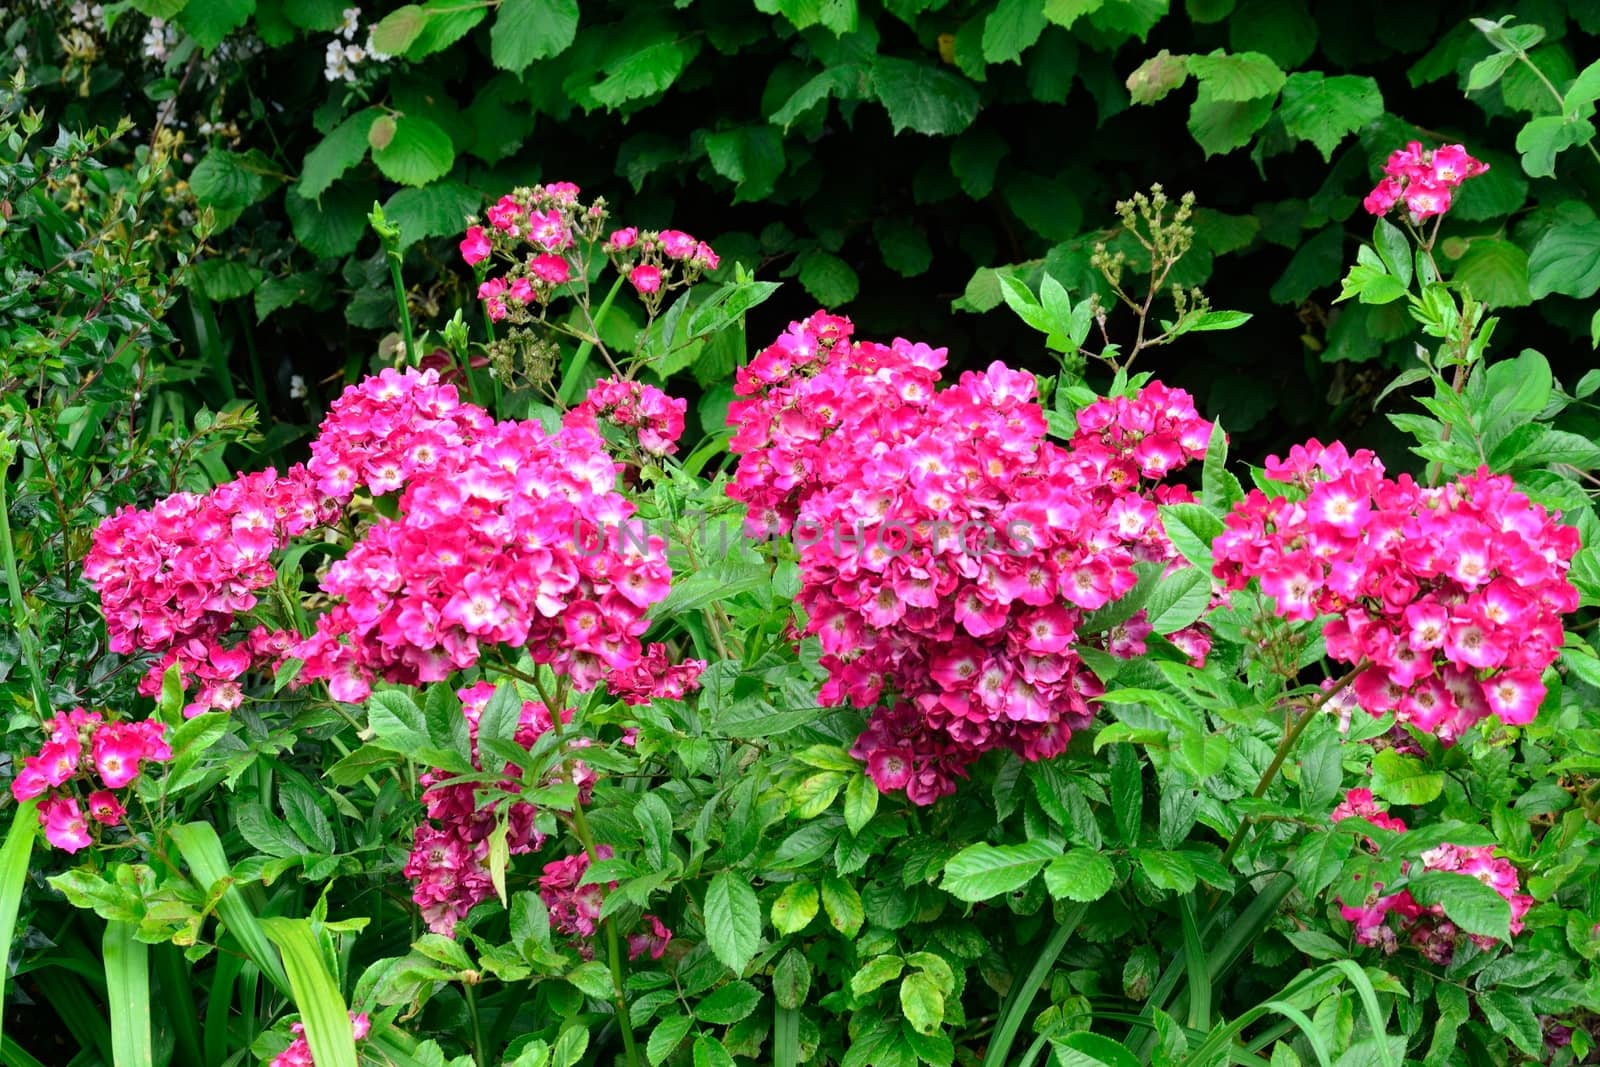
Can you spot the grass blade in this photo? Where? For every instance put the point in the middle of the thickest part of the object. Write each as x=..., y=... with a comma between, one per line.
x=14, y=856
x=14, y=1055
x=128, y=995
x=177, y=1002
x=202, y=853
x=219, y=1006
x=316, y=994
x=1369, y=998
x=786, y=1038
x=1015, y=1009
x=1198, y=966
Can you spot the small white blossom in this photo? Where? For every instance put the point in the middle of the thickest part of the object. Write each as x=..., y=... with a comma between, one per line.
x=84, y=13
x=297, y=387
x=351, y=21
x=159, y=40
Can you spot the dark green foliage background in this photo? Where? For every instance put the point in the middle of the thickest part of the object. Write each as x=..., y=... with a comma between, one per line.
x=1015, y=161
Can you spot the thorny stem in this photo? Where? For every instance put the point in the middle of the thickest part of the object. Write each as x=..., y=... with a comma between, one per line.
x=1294, y=727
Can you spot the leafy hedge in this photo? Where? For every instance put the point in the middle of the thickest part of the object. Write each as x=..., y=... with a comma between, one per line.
x=905, y=151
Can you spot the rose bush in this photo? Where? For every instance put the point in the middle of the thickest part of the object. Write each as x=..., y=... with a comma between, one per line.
x=889, y=720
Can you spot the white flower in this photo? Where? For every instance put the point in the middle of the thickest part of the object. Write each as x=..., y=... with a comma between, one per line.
x=336, y=66
x=351, y=22
x=297, y=387
x=159, y=40
x=84, y=13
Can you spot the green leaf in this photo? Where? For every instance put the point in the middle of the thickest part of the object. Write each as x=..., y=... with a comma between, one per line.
x=201, y=850
x=791, y=979
x=1127, y=792
x=1080, y=874
x=447, y=22
x=1012, y=28
x=224, y=279
x=851, y=81
x=127, y=962
x=1467, y=902
x=829, y=279
x=922, y=97
x=336, y=153
x=1325, y=110
x=733, y=920
x=843, y=905
x=667, y=1035
x=396, y=31
x=1065, y=12
x=529, y=30
x=709, y=1052
x=419, y=152
x=1236, y=78
x=14, y=857
x=1192, y=528
x=1092, y=1049
x=922, y=1002
x=795, y=907
x=1566, y=260
x=159, y=9
x=1178, y=599
x=1403, y=779
x=1495, y=271
x=860, y=802
x=1282, y=29
x=1544, y=138
x=729, y=1004
x=1508, y=1013
x=1220, y=126
x=981, y=871
x=229, y=181
x=1167, y=870
x=320, y=15
x=209, y=22
x=646, y=72
x=333, y=224
x=904, y=246
x=876, y=972
x=436, y=210
x=396, y=721
x=750, y=156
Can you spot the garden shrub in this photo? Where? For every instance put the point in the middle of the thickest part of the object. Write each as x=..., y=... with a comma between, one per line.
x=585, y=690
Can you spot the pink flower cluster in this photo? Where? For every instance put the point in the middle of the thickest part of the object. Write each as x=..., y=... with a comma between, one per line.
x=651, y=416
x=575, y=908
x=1425, y=180
x=948, y=552
x=657, y=260
x=1453, y=596
x=537, y=229
x=1426, y=928
x=389, y=429
x=513, y=538
x=653, y=678
x=174, y=578
x=298, y=1054
x=449, y=861
x=115, y=751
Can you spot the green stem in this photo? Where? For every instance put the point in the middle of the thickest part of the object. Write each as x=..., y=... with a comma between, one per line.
x=1022, y=994
x=580, y=829
x=1291, y=737
x=401, y=305
x=580, y=359
x=21, y=619
x=478, y=1050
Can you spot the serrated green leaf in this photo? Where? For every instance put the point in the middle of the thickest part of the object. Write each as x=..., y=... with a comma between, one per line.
x=210, y=21
x=981, y=871
x=419, y=152
x=829, y=279
x=921, y=97
x=1325, y=110
x=528, y=30
x=733, y=920
x=1236, y=78
x=1079, y=874
x=1012, y=28
x=1566, y=260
